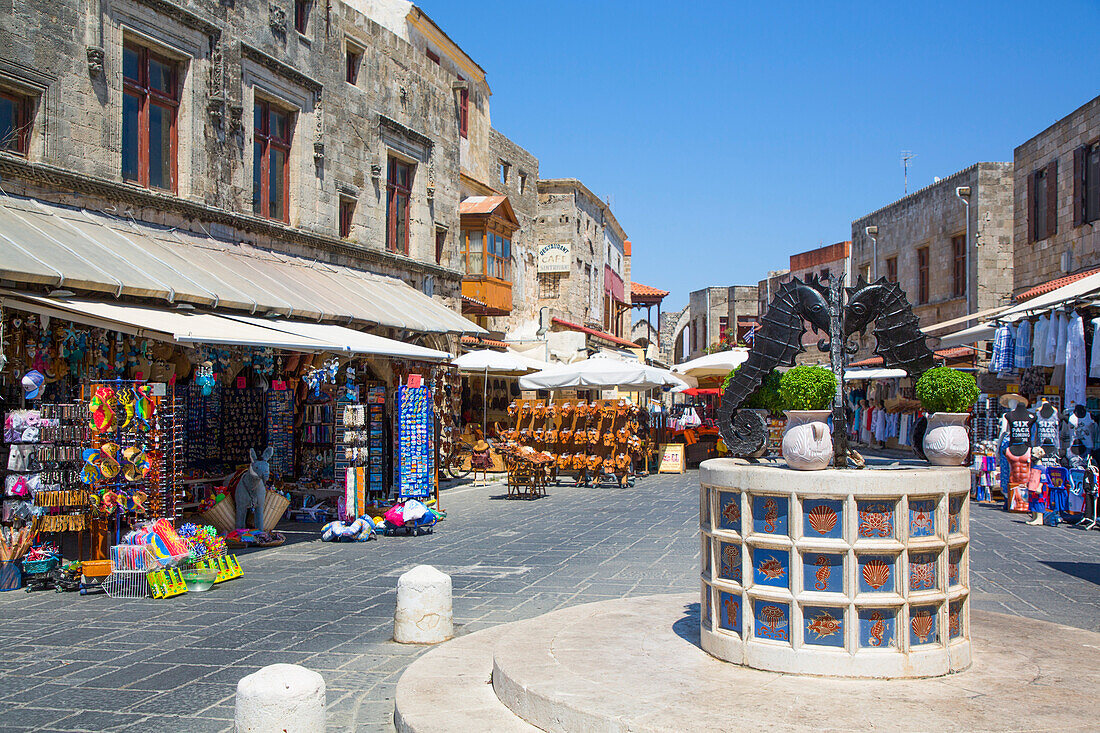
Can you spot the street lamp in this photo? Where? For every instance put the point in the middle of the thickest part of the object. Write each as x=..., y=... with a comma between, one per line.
x=872, y=232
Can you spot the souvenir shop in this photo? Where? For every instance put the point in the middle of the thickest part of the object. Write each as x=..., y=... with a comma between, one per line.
x=1036, y=440
x=128, y=426
x=883, y=408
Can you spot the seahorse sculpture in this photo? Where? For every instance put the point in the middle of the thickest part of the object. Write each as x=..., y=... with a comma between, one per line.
x=898, y=338
x=777, y=342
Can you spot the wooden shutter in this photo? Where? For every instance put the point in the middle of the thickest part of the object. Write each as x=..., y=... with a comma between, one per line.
x=1079, y=186
x=1052, y=198
x=1032, y=231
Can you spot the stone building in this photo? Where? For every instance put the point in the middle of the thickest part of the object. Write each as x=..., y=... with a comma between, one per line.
x=920, y=242
x=583, y=258
x=1057, y=200
x=339, y=133
x=717, y=315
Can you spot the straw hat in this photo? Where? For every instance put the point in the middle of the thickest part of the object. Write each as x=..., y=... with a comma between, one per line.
x=1009, y=400
x=481, y=446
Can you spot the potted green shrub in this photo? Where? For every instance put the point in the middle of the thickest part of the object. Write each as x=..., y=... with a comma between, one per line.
x=947, y=395
x=806, y=393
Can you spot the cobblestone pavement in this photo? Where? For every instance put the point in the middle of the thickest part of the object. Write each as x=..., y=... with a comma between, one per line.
x=93, y=663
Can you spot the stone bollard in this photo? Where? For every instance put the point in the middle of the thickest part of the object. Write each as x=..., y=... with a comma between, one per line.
x=281, y=698
x=423, y=614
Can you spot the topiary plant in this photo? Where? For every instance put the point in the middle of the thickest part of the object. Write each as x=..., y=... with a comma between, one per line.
x=943, y=389
x=764, y=398
x=807, y=388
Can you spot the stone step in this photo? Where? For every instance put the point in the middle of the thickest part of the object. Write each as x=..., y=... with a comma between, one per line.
x=448, y=689
x=635, y=665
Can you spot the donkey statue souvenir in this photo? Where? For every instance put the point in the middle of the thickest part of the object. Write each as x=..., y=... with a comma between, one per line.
x=252, y=488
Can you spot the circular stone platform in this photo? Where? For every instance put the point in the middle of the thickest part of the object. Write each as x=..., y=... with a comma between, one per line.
x=635, y=665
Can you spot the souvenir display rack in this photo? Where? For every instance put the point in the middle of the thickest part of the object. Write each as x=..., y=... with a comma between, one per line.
x=591, y=441
x=415, y=474
x=280, y=431
x=317, y=453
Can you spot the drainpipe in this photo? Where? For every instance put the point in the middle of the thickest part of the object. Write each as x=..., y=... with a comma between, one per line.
x=706, y=339
x=963, y=192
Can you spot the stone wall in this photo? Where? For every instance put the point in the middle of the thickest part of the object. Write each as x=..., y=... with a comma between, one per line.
x=1074, y=246
x=930, y=218
x=521, y=188
x=228, y=56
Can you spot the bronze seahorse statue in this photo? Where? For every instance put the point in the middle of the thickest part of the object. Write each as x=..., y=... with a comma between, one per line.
x=777, y=342
x=898, y=338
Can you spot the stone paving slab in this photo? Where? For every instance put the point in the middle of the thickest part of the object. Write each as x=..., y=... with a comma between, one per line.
x=330, y=606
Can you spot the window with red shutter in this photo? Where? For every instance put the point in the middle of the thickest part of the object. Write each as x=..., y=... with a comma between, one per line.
x=149, y=106
x=1038, y=191
x=1052, y=198
x=922, y=275
x=271, y=135
x=15, y=122
x=958, y=252
x=398, y=190
x=463, y=111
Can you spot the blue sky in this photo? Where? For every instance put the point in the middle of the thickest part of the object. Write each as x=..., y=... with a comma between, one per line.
x=730, y=135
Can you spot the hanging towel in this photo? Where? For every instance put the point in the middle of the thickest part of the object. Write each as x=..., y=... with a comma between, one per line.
x=1075, y=361
x=1094, y=362
x=1023, y=345
x=1060, y=345
x=1003, y=348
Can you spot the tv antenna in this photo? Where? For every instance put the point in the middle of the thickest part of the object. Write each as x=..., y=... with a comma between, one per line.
x=906, y=156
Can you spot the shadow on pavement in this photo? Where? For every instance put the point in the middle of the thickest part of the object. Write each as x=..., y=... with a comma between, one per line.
x=1089, y=571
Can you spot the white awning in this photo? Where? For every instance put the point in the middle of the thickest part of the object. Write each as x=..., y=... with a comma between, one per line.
x=497, y=362
x=601, y=373
x=981, y=332
x=184, y=327
x=713, y=365
x=874, y=374
x=1084, y=288
x=346, y=339
x=48, y=244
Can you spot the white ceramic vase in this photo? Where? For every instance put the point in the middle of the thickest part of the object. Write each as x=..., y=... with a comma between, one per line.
x=807, y=443
x=946, y=441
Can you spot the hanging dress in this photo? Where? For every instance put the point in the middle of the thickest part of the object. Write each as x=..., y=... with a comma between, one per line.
x=1075, y=361
x=1023, y=345
x=1039, y=342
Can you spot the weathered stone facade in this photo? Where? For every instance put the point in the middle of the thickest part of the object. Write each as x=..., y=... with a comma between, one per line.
x=571, y=215
x=1074, y=244
x=933, y=219
x=401, y=104
x=713, y=310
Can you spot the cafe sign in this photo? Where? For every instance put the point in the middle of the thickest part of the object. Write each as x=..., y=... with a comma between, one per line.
x=555, y=257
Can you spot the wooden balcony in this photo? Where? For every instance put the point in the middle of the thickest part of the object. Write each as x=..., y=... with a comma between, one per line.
x=495, y=294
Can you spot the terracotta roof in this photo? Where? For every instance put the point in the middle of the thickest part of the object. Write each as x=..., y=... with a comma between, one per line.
x=646, y=291
x=477, y=341
x=594, y=332
x=955, y=352
x=628, y=248
x=1055, y=284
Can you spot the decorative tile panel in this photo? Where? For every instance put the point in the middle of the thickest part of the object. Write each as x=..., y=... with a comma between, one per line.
x=876, y=519
x=771, y=620
x=823, y=571
x=922, y=518
x=769, y=514
x=922, y=625
x=823, y=518
x=729, y=561
x=877, y=628
x=823, y=626
x=771, y=567
x=954, y=514
x=729, y=611
x=729, y=511
x=954, y=563
x=877, y=573
x=955, y=619
x=922, y=571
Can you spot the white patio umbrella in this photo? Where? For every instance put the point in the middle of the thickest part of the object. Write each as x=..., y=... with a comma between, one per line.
x=601, y=373
x=713, y=365
x=486, y=362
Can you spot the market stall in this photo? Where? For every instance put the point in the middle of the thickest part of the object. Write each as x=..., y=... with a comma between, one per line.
x=126, y=423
